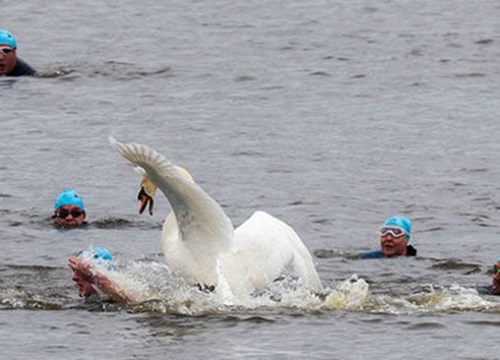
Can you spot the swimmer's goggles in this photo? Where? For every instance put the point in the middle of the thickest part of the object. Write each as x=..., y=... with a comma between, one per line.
x=6, y=50
x=63, y=213
x=394, y=231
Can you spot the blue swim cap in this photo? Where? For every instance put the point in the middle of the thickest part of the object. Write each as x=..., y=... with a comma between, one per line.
x=99, y=255
x=401, y=222
x=69, y=197
x=7, y=38
x=102, y=253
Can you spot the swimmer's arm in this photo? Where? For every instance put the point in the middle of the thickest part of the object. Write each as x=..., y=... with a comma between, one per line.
x=101, y=281
x=111, y=289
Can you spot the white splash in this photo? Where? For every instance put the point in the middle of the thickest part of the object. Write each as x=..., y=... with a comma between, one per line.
x=454, y=298
x=351, y=294
x=155, y=289
x=354, y=294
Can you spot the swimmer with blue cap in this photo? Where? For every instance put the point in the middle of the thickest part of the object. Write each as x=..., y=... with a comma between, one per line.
x=10, y=63
x=82, y=266
x=494, y=287
x=99, y=255
x=90, y=273
x=394, y=235
x=495, y=281
x=69, y=210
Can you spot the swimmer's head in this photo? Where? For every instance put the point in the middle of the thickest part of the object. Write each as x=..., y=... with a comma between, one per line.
x=6, y=38
x=69, y=197
x=399, y=222
x=102, y=253
x=99, y=255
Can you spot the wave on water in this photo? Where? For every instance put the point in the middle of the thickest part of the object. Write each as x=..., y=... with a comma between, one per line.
x=20, y=299
x=452, y=299
x=6, y=83
x=455, y=264
x=41, y=221
x=112, y=69
x=120, y=223
x=353, y=294
x=56, y=73
x=155, y=290
x=159, y=292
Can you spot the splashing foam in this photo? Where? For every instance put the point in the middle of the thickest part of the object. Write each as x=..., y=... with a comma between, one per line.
x=157, y=291
x=351, y=294
x=154, y=289
x=455, y=298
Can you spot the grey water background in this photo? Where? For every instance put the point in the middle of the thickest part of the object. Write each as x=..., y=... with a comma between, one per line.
x=330, y=115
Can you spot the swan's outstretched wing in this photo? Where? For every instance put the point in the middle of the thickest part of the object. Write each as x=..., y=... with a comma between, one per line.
x=203, y=226
x=264, y=247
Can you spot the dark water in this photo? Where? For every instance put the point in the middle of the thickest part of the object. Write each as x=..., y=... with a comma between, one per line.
x=329, y=115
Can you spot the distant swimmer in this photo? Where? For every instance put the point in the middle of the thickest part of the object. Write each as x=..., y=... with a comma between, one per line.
x=89, y=268
x=395, y=237
x=495, y=281
x=69, y=210
x=10, y=63
x=494, y=288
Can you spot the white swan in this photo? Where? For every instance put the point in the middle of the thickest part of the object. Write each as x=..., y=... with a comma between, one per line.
x=200, y=243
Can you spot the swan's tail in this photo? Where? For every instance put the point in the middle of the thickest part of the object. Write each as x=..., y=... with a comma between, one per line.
x=268, y=245
x=303, y=262
x=302, y=259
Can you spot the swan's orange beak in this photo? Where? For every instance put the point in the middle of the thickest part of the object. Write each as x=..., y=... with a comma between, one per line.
x=145, y=199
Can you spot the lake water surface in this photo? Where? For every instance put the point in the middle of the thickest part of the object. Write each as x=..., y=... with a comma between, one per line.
x=330, y=115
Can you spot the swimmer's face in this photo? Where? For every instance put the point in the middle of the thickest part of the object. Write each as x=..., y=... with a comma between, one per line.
x=495, y=284
x=393, y=245
x=69, y=216
x=8, y=59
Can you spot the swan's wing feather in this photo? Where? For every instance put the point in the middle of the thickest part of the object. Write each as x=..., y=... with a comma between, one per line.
x=203, y=225
x=140, y=171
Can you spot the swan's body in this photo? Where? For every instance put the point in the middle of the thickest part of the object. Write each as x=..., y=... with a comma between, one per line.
x=200, y=243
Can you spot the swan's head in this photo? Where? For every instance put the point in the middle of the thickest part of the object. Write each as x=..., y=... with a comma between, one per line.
x=146, y=194
x=148, y=188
